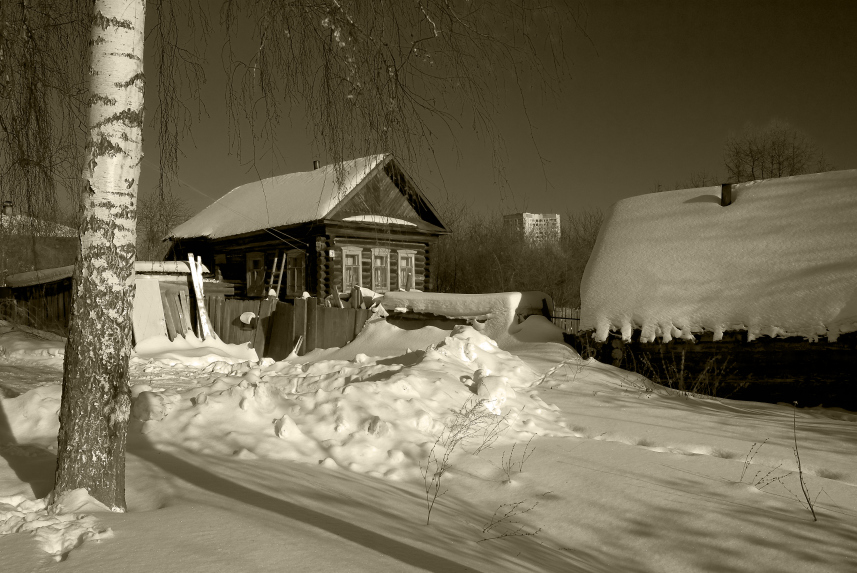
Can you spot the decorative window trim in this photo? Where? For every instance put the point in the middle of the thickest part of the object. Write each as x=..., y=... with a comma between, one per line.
x=381, y=252
x=350, y=250
x=410, y=254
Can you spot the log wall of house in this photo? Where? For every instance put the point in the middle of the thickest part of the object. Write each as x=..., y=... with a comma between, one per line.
x=323, y=271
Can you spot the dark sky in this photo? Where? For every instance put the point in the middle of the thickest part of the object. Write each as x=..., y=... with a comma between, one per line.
x=653, y=94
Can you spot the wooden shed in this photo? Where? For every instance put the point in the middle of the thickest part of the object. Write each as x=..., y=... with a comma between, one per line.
x=31, y=244
x=366, y=224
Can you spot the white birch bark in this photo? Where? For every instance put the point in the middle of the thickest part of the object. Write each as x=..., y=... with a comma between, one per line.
x=96, y=396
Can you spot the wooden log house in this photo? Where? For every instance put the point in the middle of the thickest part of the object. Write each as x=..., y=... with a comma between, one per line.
x=372, y=226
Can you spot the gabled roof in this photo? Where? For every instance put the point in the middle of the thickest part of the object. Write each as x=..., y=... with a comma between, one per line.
x=297, y=198
x=780, y=260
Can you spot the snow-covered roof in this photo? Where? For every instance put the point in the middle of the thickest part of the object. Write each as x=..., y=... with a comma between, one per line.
x=279, y=201
x=780, y=260
x=26, y=225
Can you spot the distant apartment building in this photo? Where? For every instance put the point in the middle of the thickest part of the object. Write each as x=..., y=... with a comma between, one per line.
x=534, y=226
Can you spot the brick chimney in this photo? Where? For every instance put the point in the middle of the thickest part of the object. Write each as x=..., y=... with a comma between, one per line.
x=316, y=164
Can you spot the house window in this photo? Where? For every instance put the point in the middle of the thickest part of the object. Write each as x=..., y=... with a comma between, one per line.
x=295, y=273
x=406, y=270
x=255, y=274
x=380, y=270
x=352, y=267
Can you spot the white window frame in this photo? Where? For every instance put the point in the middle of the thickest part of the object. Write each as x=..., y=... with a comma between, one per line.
x=411, y=255
x=348, y=250
x=381, y=252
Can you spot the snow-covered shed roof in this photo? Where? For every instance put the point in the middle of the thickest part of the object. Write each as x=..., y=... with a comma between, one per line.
x=43, y=276
x=780, y=260
x=283, y=200
x=26, y=225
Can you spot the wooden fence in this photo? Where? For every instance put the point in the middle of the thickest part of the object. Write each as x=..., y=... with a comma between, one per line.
x=568, y=319
x=42, y=306
x=279, y=325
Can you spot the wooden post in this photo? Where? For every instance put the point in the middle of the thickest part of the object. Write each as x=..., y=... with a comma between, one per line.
x=311, y=325
x=300, y=320
x=725, y=194
x=263, y=325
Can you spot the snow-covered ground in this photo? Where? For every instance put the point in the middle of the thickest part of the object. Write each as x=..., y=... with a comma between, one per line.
x=318, y=464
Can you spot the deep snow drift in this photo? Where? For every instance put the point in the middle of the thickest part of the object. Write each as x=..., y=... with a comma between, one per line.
x=319, y=465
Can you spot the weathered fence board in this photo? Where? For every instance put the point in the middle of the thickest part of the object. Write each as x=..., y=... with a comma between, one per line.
x=282, y=332
x=311, y=338
x=300, y=321
x=568, y=319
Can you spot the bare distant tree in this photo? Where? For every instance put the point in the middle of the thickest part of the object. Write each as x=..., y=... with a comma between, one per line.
x=777, y=149
x=698, y=179
x=157, y=215
x=482, y=255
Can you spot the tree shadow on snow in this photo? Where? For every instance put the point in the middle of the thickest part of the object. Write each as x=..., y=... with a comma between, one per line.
x=211, y=482
x=32, y=464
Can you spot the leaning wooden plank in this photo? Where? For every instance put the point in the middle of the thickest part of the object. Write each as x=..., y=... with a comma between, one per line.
x=168, y=317
x=184, y=310
x=148, y=313
x=202, y=318
x=280, y=276
x=297, y=347
x=176, y=310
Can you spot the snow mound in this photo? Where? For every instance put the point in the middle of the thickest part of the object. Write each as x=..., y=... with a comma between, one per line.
x=497, y=315
x=378, y=416
x=780, y=260
x=191, y=351
x=32, y=416
x=23, y=342
x=57, y=529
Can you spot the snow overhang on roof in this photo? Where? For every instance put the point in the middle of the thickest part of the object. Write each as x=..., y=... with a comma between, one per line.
x=780, y=260
x=278, y=201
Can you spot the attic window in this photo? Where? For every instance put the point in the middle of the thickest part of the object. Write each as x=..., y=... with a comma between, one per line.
x=380, y=269
x=352, y=267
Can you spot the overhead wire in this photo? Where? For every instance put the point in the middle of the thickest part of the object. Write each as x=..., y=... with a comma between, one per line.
x=279, y=235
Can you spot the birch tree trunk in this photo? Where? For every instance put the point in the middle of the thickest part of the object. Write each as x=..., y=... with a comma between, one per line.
x=96, y=396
